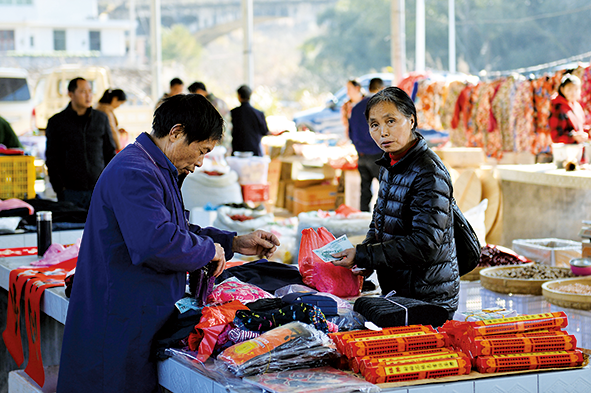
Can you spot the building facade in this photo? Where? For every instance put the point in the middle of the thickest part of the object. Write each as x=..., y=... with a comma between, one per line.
x=60, y=27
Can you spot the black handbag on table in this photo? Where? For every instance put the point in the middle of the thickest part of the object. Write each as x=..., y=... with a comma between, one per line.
x=467, y=245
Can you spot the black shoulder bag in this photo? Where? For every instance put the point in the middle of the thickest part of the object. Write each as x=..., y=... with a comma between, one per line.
x=467, y=244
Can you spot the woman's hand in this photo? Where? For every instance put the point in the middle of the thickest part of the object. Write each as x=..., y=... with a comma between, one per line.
x=219, y=261
x=347, y=258
x=259, y=243
x=580, y=136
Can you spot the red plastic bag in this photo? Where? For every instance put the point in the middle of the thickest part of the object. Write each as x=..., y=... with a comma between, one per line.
x=324, y=276
x=346, y=210
x=213, y=321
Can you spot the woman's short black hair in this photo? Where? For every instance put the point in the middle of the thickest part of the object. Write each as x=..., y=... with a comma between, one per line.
x=109, y=94
x=396, y=96
x=199, y=118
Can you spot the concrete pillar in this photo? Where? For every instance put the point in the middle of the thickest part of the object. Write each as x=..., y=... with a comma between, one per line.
x=156, y=48
x=247, y=27
x=398, y=39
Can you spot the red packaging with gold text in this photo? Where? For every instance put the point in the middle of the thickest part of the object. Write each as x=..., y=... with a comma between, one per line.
x=528, y=361
x=518, y=324
x=409, y=342
x=411, y=359
x=358, y=362
x=415, y=371
x=512, y=344
x=341, y=338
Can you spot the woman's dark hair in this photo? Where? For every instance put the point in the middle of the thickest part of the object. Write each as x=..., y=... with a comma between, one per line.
x=199, y=118
x=354, y=82
x=398, y=97
x=566, y=80
x=109, y=94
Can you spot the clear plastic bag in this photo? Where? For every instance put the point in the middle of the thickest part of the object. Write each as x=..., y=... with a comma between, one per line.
x=342, y=305
x=348, y=320
x=234, y=289
x=291, y=346
x=315, y=380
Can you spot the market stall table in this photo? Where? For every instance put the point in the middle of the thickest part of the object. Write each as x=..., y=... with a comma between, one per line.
x=179, y=376
x=541, y=201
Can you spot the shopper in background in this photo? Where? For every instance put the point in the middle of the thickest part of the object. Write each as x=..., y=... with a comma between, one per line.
x=79, y=145
x=136, y=250
x=248, y=124
x=111, y=100
x=567, y=118
x=410, y=242
x=367, y=150
x=355, y=95
x=218, y=103
x=176, y=87
x=8, y=137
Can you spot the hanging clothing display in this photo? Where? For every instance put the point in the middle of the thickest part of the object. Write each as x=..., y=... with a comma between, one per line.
x=30, y=283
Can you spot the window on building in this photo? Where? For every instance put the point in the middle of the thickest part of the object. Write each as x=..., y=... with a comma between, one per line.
x=95, y=40
x=59, y=40
x=6, y=40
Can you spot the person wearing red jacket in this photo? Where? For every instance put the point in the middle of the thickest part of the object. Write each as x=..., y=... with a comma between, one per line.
x=567, y=119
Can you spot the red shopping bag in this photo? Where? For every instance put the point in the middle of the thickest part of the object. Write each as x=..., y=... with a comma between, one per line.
x=324, y=276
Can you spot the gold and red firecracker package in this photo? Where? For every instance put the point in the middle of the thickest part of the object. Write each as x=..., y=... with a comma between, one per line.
x=512, y=344
x=518, y=324
x=401, y=343
x=341, y=338
x=422, y=370
x=410, y=359
x=360, y=362
x=528, y=361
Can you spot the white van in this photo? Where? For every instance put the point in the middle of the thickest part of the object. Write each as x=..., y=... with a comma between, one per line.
x=51, y=97
x=16, y=105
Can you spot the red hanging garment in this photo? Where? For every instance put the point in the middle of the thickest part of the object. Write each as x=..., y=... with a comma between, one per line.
x=34, y=281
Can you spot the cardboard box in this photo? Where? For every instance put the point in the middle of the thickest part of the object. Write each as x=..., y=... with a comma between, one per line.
x=314, y=198
x=586, y=250
x=273, y=177
x=300, y=168
x=289, y=187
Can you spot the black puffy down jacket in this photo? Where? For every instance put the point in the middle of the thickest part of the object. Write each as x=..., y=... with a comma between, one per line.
x=410, y=242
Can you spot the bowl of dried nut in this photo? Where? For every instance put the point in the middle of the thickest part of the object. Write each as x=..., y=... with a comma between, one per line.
x=569, y=292
x=522, y=279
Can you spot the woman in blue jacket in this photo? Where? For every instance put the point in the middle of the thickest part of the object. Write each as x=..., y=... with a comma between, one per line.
x=410, y=242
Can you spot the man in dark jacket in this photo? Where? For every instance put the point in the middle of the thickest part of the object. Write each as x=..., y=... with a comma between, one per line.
x=79, y=146
x=367, y=150
x=248, y=124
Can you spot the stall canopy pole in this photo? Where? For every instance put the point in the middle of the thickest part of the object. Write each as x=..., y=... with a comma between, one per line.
x=156, y=48
x=247, y=26
x=132, y=43
x=398, y=39
x=452, y=36
x=420, y=36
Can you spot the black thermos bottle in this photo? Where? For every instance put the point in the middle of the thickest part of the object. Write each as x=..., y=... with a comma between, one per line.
x=43, y=232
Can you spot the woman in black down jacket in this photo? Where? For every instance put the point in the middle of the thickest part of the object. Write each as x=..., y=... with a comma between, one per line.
x=410, y=242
